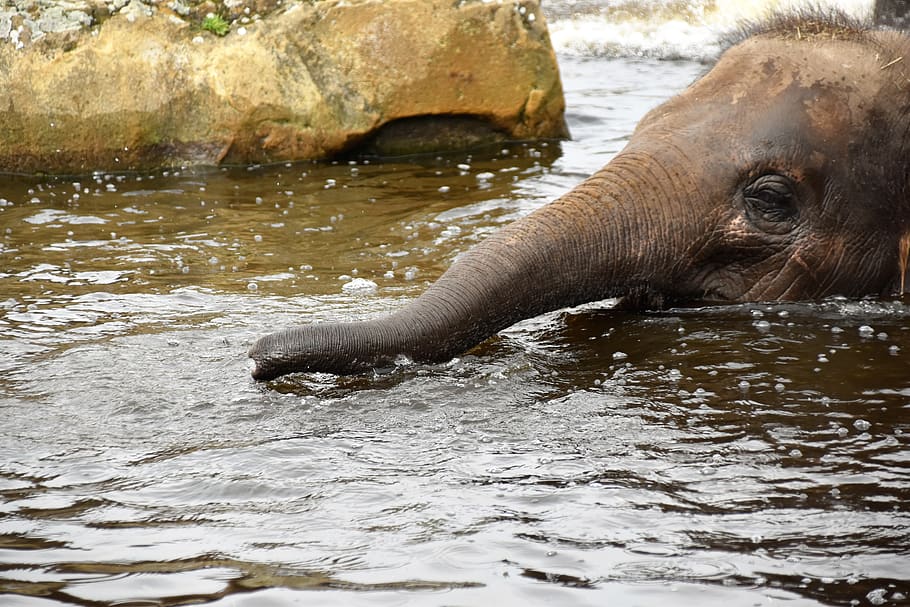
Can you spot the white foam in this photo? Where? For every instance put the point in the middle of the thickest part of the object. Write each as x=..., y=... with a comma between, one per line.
x=666, y=29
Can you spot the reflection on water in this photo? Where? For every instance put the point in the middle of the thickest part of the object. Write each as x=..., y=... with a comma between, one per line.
x=729, y=455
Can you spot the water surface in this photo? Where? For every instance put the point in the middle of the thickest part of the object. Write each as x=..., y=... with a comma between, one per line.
x=737, y=455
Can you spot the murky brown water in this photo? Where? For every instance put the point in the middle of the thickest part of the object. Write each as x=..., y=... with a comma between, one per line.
x=726, y=456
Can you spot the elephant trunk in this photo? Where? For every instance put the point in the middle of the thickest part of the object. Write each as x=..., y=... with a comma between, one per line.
x=586, y=246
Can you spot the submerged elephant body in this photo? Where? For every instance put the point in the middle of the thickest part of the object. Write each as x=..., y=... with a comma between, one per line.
x=782, y=174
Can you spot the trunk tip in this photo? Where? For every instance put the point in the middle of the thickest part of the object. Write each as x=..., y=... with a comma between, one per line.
x=264, y=367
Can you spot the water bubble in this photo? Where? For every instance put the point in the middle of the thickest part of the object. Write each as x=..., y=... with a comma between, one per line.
x=451, y=231
x=410, y=273
x=444, y=189
x=762, y=325
x=257, y=238
x=862, y=425
x=251, y=286
x=779, y=387
x=796, y=453
x=403, y=360
x=620, y=355
x=893, y=350
x=877, y=596
x=744, y=385
x=360, y=286
x=882, y=336
x=866, y=331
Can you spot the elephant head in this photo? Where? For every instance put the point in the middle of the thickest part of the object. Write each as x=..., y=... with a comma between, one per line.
x=781, y=174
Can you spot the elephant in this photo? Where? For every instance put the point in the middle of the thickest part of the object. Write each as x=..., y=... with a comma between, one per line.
x=781, y=174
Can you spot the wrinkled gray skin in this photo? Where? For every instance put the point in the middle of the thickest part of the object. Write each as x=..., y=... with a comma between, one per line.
x=782, y=174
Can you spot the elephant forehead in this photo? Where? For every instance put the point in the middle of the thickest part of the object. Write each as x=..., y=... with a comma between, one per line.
x=835, y=75
x=783, y=91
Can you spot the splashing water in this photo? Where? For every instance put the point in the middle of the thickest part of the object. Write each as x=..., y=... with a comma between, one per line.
x=665, y=29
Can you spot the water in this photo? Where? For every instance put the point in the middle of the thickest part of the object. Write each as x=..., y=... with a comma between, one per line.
x=732, y=455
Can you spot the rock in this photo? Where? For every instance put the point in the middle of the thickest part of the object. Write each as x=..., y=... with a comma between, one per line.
x=312, y=80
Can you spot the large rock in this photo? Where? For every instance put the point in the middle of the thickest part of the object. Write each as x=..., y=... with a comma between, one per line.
x=311, y=81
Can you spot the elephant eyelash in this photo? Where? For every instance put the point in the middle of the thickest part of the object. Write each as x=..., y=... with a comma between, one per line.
x=771, y=201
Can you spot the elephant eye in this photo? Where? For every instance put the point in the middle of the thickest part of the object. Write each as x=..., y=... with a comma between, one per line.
x=771, y=202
